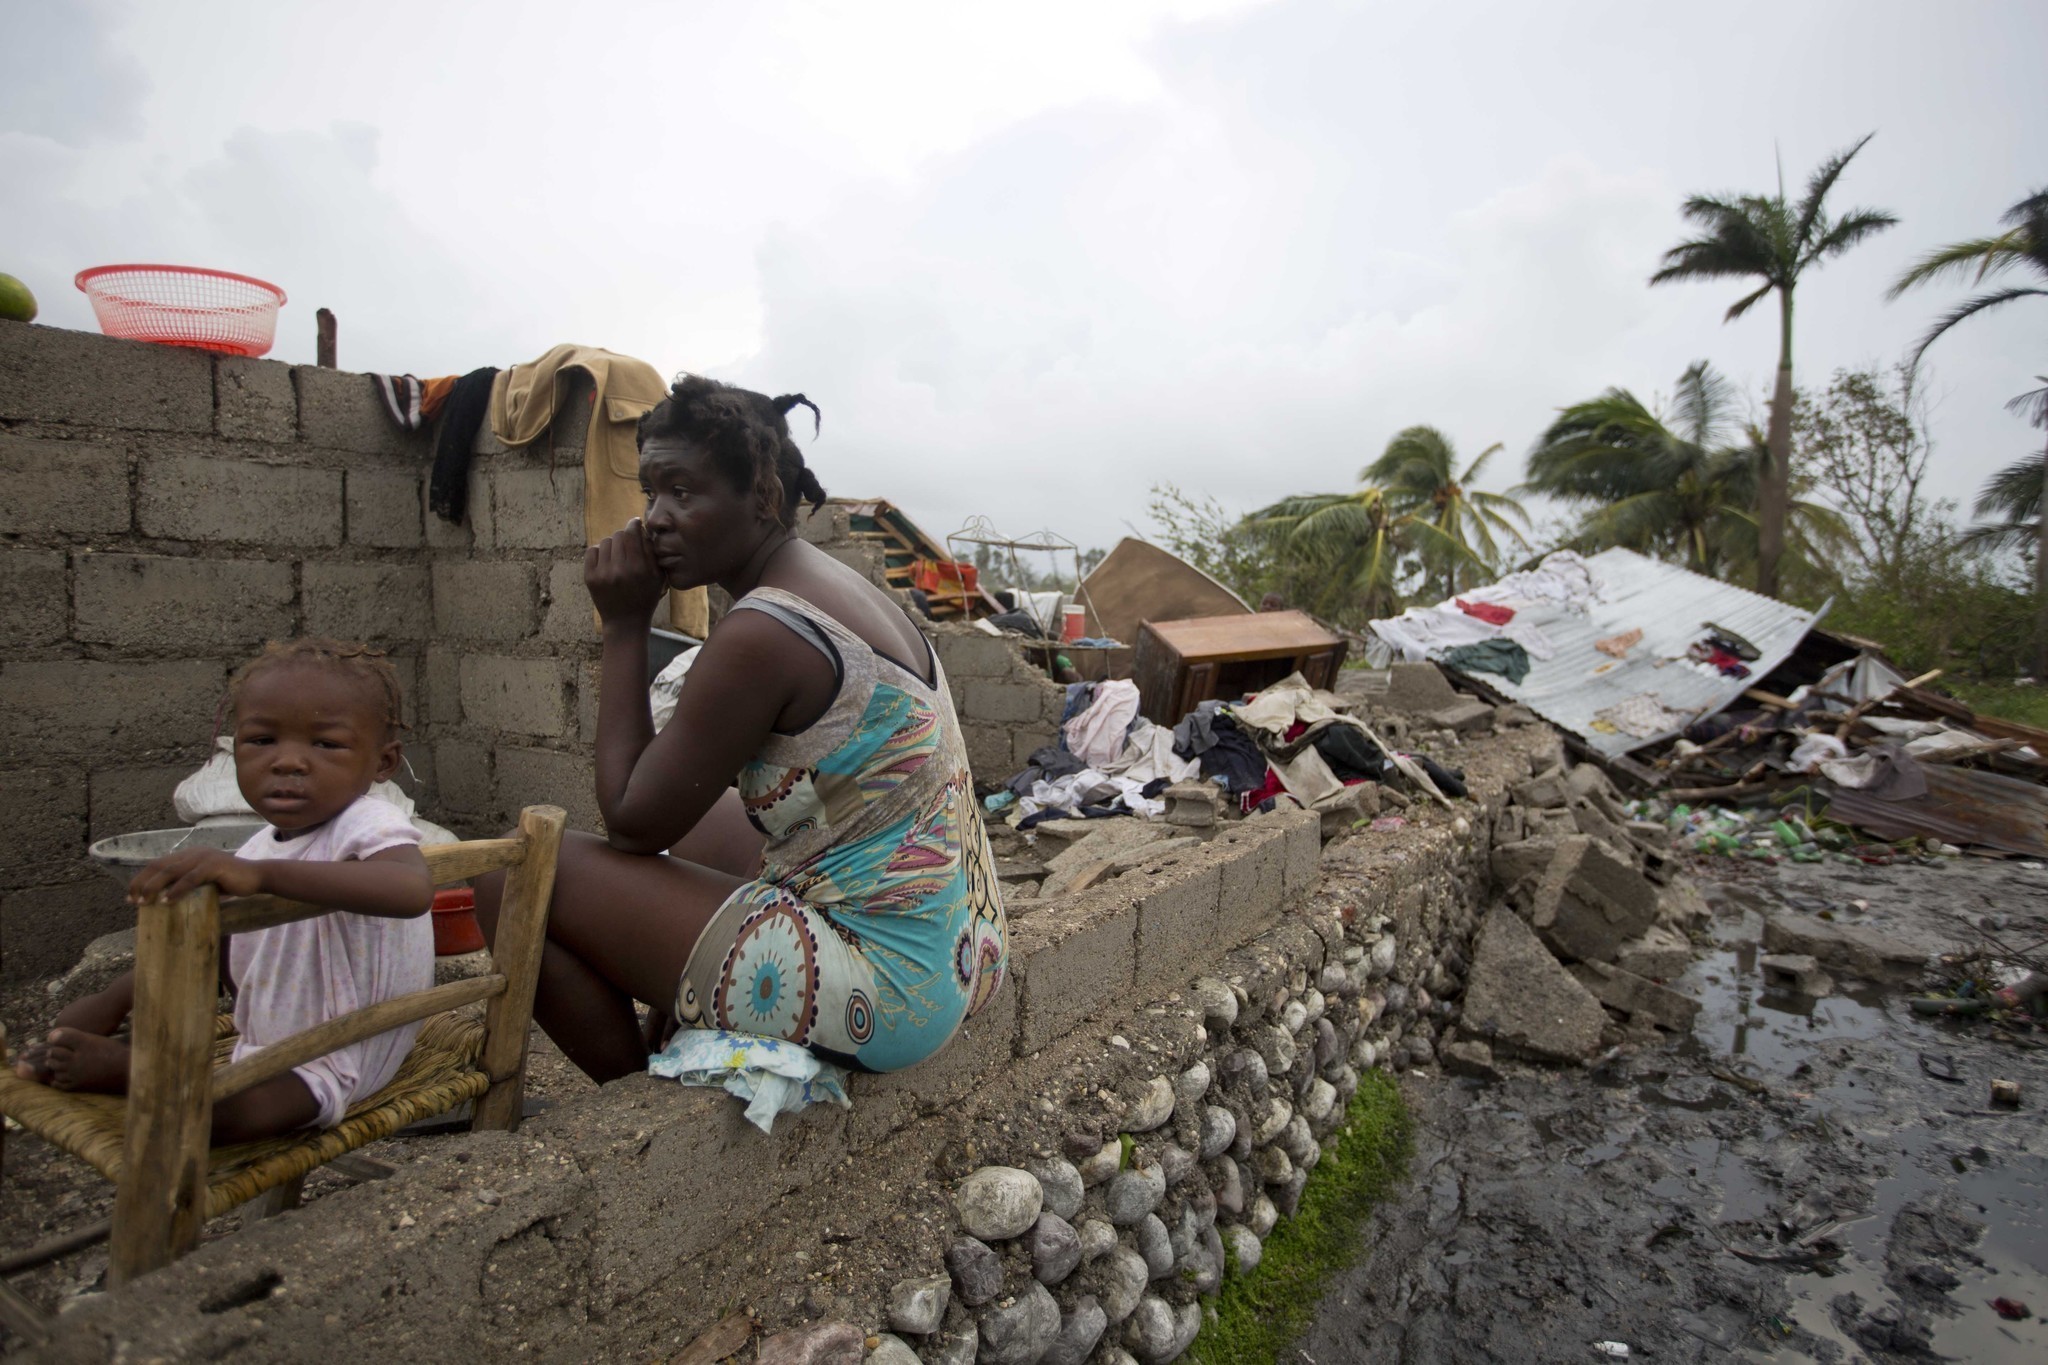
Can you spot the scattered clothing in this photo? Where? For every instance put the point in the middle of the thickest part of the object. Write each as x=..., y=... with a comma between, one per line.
x=469, y=400
x=1504, y=657
x=1196, y=733
x=1148, y=757
x=1618, y=646
x=290, y=977
x=771, y=1075
x=1047, y=764
x=1233, y=758
x=1644, y=717
x=1096, y=735
x=1718, y=659
x=1490, y=612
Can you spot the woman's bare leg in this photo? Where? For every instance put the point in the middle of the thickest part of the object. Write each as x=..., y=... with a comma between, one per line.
x=620, y=929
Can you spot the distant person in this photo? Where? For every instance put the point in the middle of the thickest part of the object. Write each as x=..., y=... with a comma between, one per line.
x=316, y=723
x=1272, y=601
x=799, y=853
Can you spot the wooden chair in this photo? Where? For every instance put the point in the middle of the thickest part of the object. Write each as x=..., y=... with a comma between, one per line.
x=153, y=1143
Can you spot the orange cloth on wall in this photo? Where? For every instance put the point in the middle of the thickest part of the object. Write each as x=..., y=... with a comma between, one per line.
x=523, y=407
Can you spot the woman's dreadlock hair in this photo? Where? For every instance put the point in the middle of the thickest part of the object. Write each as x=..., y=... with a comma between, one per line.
x=747, y=435
x=368, y=668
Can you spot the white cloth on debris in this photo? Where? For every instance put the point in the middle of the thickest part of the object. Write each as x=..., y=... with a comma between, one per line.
x=290, y=977
x=1096, y=735
x=1090, y=786
x=1563, y=579
x=772, y=1075
x=1815, y=750
x=1148, y=756
x=1644, y=716
x=1280, y=707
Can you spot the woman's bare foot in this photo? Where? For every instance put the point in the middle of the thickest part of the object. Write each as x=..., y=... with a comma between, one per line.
x=78, y=1060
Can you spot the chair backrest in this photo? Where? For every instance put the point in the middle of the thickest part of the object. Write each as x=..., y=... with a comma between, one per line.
x=172, y=1085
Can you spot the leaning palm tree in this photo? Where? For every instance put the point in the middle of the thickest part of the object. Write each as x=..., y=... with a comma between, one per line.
x=2012, y=497
x=2022, y=246
x=1419, y=471
x=1770, y=239
x=1346, y=551
x=1680, y=484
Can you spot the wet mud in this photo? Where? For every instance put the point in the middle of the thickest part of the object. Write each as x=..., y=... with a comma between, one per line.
x=1798, y=1179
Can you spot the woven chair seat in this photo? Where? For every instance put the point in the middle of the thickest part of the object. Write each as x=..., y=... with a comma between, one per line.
x=437, y=1075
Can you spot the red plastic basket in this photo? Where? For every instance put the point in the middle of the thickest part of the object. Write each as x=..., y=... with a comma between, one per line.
x=182, y=305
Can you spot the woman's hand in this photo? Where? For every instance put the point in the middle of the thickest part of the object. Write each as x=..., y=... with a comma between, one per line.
x=623, y=579
x=174, y=874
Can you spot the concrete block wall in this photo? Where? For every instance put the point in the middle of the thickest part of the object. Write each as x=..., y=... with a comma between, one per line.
x=1007, y=706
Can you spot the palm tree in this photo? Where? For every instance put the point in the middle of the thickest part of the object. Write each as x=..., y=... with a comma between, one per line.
x=1768, y=238
x=1344, y=551
x=1419, y=471
x=1681, y=486
x=2024, y=246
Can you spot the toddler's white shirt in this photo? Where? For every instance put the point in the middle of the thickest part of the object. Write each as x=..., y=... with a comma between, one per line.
x=292, y=976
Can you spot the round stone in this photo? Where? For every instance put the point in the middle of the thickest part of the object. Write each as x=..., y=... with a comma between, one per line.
x=1061, y=1186
x=1153, y=1107
x=1150, y=1330
x=919, y=1306
x=1020, y=1332
x=1263, y=1215
x=1320, y=1103
x=1097, y=1239
x=1175, y=1162
x=1207, y=1263
x=1133, y=1194
x=1191, y=1085
x=997, y=1202
x=1382, y=957
x=1081, y=1143
x=1271, y=1165
x=1120, y=1280
x=1276, y=1118
x=1219, y=1130
x=1329, y=1047
x=1055, y=1248
x=891, y=1350
x=1334, y=980
x=1107, y=1160
x=1292, y=1016
x=1244, y=1246
x=1156, y=1246
x=1248, y=1069
x=1276, y=1049
x=1315, y=1003
x=1217, y=1002
x=1287, y=1196
x=1229, y=1186
x=976, y=1269
x=1080, y=1329
x=1365, y=1053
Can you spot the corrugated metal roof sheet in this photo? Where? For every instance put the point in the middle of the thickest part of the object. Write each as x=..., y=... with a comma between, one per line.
x=1670, y=606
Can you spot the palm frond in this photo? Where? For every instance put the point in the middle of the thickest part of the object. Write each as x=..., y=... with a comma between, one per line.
x=2013, y=493
x=1988, y=255
x=1746, y=302
x=1702, y=402
x=2032, y=405
x=1820, y=183
x=1969, y=308
x=1852, y=227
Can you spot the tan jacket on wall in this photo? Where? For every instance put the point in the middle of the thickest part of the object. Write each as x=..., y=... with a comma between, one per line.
x=523, y=407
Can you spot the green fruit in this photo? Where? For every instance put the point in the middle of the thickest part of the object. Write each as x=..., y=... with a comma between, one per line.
x=16, y=303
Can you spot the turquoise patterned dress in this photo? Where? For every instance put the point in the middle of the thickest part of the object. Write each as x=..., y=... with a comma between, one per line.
x=876, y=925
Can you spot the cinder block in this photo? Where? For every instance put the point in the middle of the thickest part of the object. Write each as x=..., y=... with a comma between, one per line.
x=384, y=508
x=1591, y=902
x=253, y=400
x=43, y=929
x=1026, y=740
x=538, y=509
x=520, y=696
x=485, y=599
x=475, y=530
x=340, y=410
x=46, y=810
x=131, y=798
x=569, y=617
x=49, y=374
x=1073, y=963
x=1253, y=888
x=1302, y=860
x=68, y=487
x=239, y=502
x=63, y=706
x=529, y=777
x=826, y=525
x=464, y=768
x=970, y=654
x=182, y=606
x=1003, y=702
x=988, y=752
x=983, y=1049
x=36, y=605
x=374, y=601
x=1418, y=689
x=441, y=680
x=589, y=678
x=1177, y=920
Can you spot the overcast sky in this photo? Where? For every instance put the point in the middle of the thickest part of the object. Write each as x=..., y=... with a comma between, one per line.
x=1030, y=259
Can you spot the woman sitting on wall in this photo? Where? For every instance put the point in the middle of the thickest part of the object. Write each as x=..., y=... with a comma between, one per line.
x=799, y=852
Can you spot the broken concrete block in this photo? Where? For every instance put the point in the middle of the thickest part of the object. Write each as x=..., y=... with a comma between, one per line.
x=1591, y=901
x=1518, y=997
x=1589, y=783
x=1515, y=714
x=1681, y=907
x=1419, y=689
x=1636, y=997
x=1346, y=808
x=1550, y=824
x=1464, y=716
x=1545, y=792
x=1525, y=858
x=1193, y=805
x=1102, y=862
x=1850, y=948
x=1795, y=972
x=1594, y=823
x=1470, y=1057
x=1649, y=835
x=1659, y=954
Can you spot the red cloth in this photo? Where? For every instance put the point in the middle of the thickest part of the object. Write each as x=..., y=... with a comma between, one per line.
x=1487, y=612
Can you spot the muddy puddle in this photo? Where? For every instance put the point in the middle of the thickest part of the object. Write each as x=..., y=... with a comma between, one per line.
x=1797, y=1179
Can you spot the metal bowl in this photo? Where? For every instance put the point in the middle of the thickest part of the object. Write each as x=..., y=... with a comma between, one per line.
x=123, y=855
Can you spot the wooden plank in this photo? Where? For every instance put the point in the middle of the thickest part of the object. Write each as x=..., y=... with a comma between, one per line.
x=247, y=914
x=28, y=1322
x=522, y=934
x=1261, y=635
x=161, y=1200
x=352, y=1027
x=51, y=1248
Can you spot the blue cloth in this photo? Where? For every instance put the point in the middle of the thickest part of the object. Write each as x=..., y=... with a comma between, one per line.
x=773, y=1076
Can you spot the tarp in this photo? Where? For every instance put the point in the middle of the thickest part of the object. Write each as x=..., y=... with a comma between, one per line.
x=1672, y=607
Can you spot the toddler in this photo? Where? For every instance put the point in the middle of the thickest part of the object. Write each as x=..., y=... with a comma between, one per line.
x=315, y=725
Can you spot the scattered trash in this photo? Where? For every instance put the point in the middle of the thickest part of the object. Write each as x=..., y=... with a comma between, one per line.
x=1940, y=1068
x=2012, y=1310
x=2006, y=1093
x=1386, y=824
x=1618, y=1350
